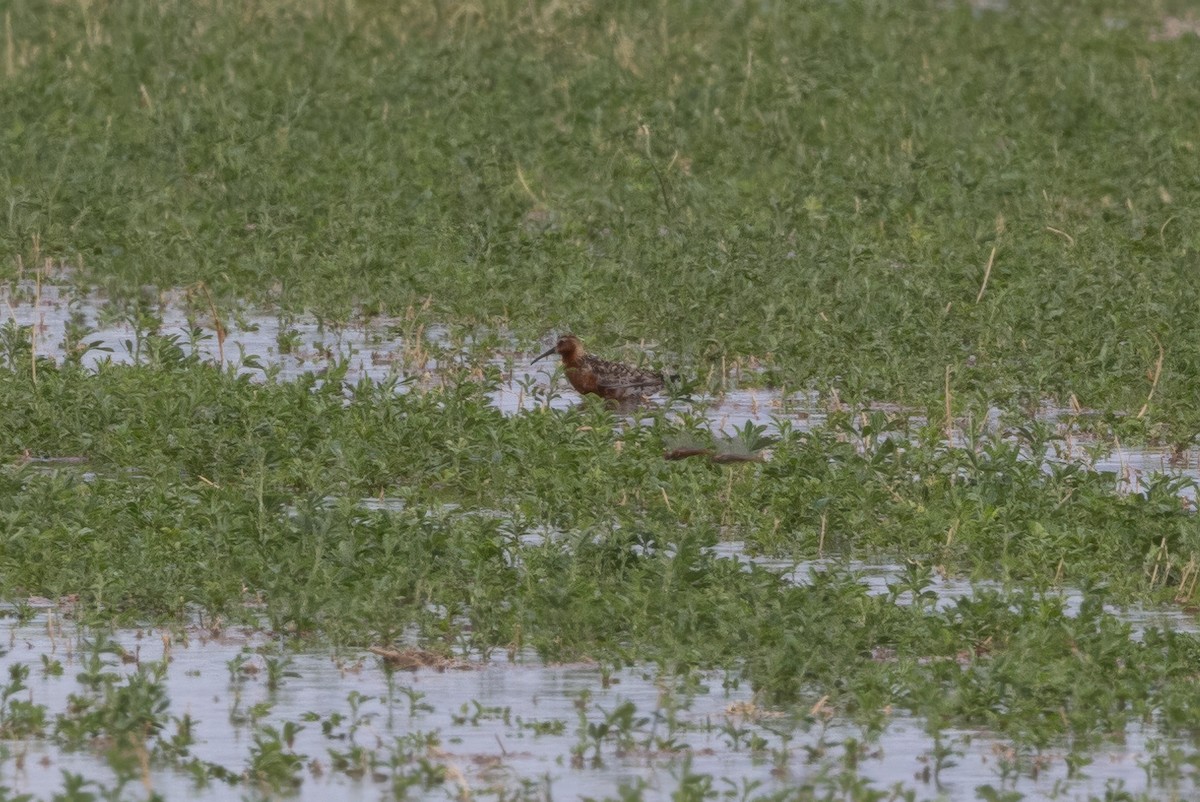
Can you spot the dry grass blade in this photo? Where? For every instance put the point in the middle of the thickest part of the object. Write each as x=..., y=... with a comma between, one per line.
x=987, y=273
x=1154, y=380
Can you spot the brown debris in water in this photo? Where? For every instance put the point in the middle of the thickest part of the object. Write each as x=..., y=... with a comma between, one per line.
x=730, y=458
x=1174, y=28
x=412, y=659
x=716, y=457
x=685, y=452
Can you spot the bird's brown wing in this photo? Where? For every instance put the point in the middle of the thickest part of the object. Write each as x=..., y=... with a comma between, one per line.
x=617, y=376
x=629, y=382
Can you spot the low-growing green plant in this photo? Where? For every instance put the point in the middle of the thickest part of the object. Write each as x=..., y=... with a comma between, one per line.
x=130, y=713
x=274, y=766
x=565, y=535
x=19, y=718
x=278, y=669
x=996, y=221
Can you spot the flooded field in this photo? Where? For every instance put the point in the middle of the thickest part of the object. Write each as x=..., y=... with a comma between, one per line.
x=288, y=511
x=471, y=544
x=260, y=716
x=380, y=349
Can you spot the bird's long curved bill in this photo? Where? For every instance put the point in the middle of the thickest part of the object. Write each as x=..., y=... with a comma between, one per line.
x=543, y=356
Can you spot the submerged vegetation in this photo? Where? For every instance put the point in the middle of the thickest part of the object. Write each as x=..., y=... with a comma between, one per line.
x=566, y=532
x=395, y=515
x=957, y=211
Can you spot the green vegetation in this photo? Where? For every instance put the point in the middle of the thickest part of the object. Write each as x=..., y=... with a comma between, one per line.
x=938, y=206
x=818, y=187
x=568, y=533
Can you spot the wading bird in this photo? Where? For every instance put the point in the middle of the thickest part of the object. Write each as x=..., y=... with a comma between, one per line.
x=611, y=380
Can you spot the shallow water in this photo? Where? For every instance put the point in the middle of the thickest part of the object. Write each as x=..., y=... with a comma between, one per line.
x=878, y=577
x=490, y=754
x=481, y=722
x=374, y=349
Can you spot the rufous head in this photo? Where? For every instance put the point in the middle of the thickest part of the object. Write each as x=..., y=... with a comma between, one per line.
x=568, y=347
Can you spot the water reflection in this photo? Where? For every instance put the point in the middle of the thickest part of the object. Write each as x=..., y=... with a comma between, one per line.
x=504, y=729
